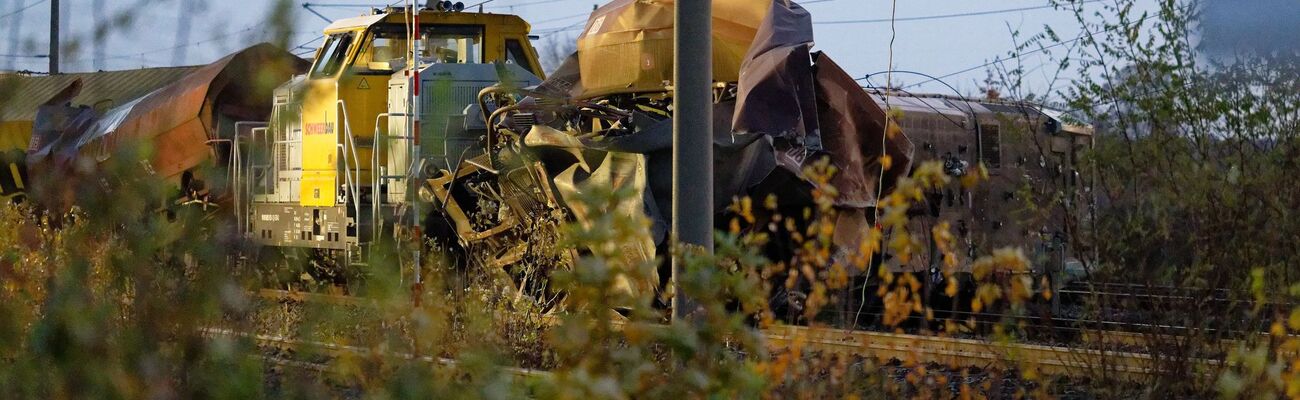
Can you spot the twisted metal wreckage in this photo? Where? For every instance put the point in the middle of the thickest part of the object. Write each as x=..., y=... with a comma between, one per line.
x=604, y=117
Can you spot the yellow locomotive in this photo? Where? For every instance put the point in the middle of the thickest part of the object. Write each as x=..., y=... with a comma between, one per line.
x=382, y=104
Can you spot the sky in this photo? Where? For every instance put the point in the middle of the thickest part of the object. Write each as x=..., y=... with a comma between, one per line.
x=849, y=31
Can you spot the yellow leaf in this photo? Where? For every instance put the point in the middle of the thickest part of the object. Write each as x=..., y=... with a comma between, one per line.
x=1030, y=374
x=894, y=130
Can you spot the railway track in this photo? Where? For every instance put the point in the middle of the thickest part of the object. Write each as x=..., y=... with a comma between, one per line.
x=1045, y=360
x=1158, y=295
x=881, y=346
x=332, y=351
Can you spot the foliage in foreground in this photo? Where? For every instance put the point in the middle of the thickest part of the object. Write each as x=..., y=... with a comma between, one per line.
x=127, y=297
x=1193, y=175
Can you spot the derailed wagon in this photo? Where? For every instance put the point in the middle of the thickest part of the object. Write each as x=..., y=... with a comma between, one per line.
x=604, y=117
x=462, y=147
x=188, y=124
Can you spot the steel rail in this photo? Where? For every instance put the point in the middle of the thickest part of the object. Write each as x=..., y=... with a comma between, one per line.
x=954, y=352
x=335, y=350
x=882, y=346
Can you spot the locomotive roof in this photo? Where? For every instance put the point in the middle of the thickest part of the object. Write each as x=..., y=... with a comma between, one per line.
x=396, y=15
x=956, y=106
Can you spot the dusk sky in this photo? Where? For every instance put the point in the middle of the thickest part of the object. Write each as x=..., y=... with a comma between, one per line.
x=935, y=46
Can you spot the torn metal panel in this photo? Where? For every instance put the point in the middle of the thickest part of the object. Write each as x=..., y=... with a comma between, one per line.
x=627, y=45
x=783, y=107
x=778, y=98
x=778, y=109
x=178, y=120
x=617, y=171
x=853, y=128
x=565, y=81
x=777, y=78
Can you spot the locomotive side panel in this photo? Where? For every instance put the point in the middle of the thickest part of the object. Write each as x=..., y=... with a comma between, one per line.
x=1031, y=165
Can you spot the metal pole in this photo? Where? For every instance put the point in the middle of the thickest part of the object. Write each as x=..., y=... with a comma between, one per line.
x=98, y=16
x=414, y=109
x=54, y=37
x=692, y=137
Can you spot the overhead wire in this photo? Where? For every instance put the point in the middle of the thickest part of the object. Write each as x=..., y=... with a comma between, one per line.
x=562, y=18
x=494, y=6
x=529, y=3
x=208, y=40
x=889, y=81
x=880, y=181
x=1001, y=59
x=867, y=78
x=195, y=43
x=20, y=10
x=1083, y=33
x=549, y=32
x=881, y=91
x=300, y=45
x=941, y=16
x=308, y=7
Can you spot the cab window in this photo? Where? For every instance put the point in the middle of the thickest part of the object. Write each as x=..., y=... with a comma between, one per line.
x=388, y=42
x=515, y=53
x=332, y=55
x=382, y=49
x=453, y=44
x=459, y=44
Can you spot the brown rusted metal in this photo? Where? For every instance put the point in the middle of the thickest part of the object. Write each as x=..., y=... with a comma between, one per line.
x=853, y=130
x=177, y=121
x=179, y=118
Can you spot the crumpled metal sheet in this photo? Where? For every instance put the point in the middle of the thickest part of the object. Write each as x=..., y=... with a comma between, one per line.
x=777, y=77
x=792, y=108
x=854, y=133
x=627, y=45
x=565, y=81
x=178, y=120
x=811, y=107
x=621, y=171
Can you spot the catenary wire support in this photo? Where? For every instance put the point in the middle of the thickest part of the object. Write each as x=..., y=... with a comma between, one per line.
x=54, y=37
x=414, y=134
x=692, y=203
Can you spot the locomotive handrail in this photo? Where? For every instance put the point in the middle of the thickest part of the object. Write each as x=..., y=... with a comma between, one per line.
x=377, y=178
x=349, y=144
x=235, y=174
x=251, y=172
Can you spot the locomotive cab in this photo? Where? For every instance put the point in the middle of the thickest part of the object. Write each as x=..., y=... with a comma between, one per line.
x=330, y=167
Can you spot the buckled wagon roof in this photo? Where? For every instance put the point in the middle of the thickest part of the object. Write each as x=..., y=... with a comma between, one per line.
x=114, y=87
